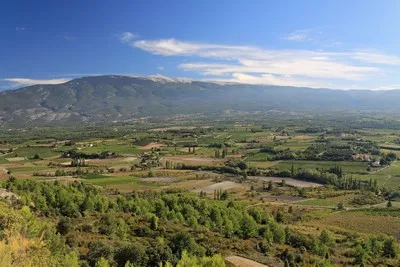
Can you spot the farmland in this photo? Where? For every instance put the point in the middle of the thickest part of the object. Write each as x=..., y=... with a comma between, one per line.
x=296, y=180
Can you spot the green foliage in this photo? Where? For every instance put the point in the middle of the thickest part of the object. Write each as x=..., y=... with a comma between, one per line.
x=135, y=253
x=65, y=225
x=248, y=227
x=118, y=222
x=99, y=249
x=154, y=222
x=182, y=241
x=375, y=249
x=325, y=238
x=26, y=241
x=187, y=260
x=102, y=262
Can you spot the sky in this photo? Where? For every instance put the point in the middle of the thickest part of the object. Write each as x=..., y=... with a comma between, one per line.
x=320, y=44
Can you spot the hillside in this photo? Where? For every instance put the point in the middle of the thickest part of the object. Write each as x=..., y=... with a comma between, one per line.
x=110, y=97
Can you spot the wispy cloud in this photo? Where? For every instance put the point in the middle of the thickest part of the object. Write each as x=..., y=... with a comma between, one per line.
x=160, y=68
x=126, y=37
x=376, y=57
x=300, y=35
x=26, y=81
x=20, y=29
x=251, y=64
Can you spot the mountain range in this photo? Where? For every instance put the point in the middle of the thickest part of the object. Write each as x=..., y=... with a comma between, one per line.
x=118, y=98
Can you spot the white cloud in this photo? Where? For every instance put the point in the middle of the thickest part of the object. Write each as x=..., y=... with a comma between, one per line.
x=389, y=87
x=274, y=66
x=248, y=59
x=20, y=29
x=302, y=67
x=126, y=37
x=26, y=82
x=160, y=68
x=376, y=57
x=299, y=36
x=271, y=80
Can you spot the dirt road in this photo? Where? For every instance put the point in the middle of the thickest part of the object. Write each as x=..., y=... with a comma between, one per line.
x=237, y=261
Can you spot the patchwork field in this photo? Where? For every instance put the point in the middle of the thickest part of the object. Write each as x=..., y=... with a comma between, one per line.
x=226, y=185
x=344, y=182
x=288, y=181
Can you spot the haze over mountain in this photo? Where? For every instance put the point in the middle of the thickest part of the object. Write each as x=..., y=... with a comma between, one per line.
x=113, y=97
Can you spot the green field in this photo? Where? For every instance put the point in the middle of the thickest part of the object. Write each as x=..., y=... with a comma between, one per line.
x=388, y=176
x=29, y=152
x=348, y=167
x=306, y=211
x=117, y=147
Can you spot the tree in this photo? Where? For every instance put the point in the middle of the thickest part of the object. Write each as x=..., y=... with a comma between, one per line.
x=224, y=152
x=292, y=171
x=192, y=261
x=325, y=237
x=248, y=227
x=98, y=250
x=290, y=209
x=224, y=195
x=270, y=186
x=65, y=225
x=361, y=255
x=135, y=253
x=278, y=233
x=102, y=262
x=183, y=241
x=280, y=216
x=384, y=161
x=122, y=229
x=150, y=173
x=71, y=259
x=389, y=204
x=154, y=222
x=390, y=248
x=108, y=224
x=391, y=156
x=158, y=252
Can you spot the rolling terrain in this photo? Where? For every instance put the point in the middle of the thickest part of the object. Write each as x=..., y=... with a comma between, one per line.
x=118, y=98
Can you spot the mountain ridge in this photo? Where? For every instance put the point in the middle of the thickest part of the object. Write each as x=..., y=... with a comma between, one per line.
x=118, y=97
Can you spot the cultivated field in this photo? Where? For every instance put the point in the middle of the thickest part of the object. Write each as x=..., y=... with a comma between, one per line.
x=331, y=178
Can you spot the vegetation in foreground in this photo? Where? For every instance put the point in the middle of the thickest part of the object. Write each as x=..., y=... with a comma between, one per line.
x=191, y=196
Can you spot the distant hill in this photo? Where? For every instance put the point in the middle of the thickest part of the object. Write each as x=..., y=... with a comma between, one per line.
x=111, y=97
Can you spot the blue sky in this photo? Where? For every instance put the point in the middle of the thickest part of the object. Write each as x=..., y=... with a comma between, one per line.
x=335, y=44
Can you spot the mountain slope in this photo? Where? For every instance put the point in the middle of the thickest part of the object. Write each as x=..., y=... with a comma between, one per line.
x=111, y=97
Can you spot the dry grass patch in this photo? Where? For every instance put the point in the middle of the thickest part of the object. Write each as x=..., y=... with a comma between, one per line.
x=226, y=185
x=193, y=160
x=15, y=159
x=151, y=145
x=364, y=223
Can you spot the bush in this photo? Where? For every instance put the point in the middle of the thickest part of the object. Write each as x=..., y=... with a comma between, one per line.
x=65, y=225
x=135, y=253
x=99, y=249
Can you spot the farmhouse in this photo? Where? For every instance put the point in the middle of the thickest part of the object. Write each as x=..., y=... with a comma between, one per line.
x=376, y=164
